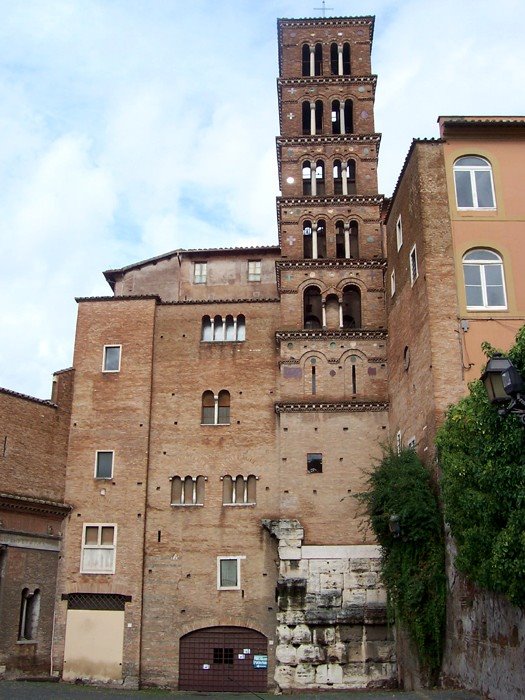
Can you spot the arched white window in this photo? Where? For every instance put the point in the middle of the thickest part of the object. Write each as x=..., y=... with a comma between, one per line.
x=484, y=280
x=207, y=329
x=474, y=185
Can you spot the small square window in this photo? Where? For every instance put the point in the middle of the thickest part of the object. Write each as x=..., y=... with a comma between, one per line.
x=414, y=273
x=254, y=270
x=229, y=573
x=399, y=232
x=200, y=273
x=111, y=361
x=104, y=465
x=314, y=462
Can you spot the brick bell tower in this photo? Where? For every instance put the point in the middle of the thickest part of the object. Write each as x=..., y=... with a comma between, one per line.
x=332, y=405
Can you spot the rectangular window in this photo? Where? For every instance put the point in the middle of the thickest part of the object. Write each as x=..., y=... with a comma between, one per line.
x=104, y=465
x=413, y=265
x=229, y=573
x=254, y=270
x=392, y=283
x=200, y=272
x=111, y=361
x=98, y=549
x=399, y=232
x=314, y=462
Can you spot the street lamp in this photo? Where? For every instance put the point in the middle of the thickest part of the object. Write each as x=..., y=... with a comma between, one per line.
x=504, y=386
x=394, y=525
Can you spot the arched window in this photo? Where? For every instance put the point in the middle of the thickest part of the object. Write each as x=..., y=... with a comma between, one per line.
x=338, y=177
x=215, y=409
x=305, y=56
x=319, y=178
x=187, y=490
x=349, y=117
x=307, y=239
x=312, y=307
x=484, y=280
x=346, y=59
x=318, y=116
x=347, y=240
x=230, y=328
x=224, y=408
x=350, y=177
x=332, y=311
x=218, y=328
x=334, y=59
x=336, y=117
x=241, y=327
x=29, y=614
x=318, y=59
x=307, y=177
x=321, y=238
x=207, y=329
x=351, y=307
x=340, y=239
x=354, y=239
x=474, y=185
x=307, y=116
x=239, y=490
x=208, y=408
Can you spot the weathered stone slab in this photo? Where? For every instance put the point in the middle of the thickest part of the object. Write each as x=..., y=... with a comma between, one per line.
x=286, y=654
x=302, y=635
x=311, y=653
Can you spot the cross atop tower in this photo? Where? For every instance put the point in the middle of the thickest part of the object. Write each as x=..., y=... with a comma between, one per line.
x=323, y=9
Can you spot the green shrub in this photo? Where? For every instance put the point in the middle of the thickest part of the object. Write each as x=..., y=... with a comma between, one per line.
x=413, y=564
x=482, y=457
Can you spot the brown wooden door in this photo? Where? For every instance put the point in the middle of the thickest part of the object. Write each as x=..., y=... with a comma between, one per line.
x=232, y=659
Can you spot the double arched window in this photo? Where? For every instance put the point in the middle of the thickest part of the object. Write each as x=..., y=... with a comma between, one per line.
x=215, y=408
x=473, y=182
x=340, y=59
x=484, y=280
x=312, y=59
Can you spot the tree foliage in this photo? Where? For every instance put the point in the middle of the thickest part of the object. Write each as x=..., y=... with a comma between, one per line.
x=482, y=457
x=413, y=564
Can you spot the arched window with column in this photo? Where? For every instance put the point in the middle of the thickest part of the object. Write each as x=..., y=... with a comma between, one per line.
x=351, y=307
x=347, y=239
x=484, y=280
x=338, y=177
x=318, y=116
x=334, y=59
x=336, y=117
x=215, y=408
x=312, y=307
x=321, y=238
x=332, y=315
x=351, y=177
x=354, y=239
x=307, y=239
x=340, y=239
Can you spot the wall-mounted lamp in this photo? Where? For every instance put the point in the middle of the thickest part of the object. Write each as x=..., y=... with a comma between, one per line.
x=394, y=525
x=504, y=386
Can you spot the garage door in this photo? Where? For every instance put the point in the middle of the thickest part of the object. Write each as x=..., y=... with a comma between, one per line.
x=233, y=659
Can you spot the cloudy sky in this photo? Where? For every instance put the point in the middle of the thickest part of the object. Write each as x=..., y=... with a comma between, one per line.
x=129, y=128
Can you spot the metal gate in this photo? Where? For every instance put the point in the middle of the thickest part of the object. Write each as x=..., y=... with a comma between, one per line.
x=233, y=659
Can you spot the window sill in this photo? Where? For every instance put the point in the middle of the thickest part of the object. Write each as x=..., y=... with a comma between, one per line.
x=187, y=505
x=480, y=309
x=214, y=425
x=238, y=505
x=230, y=588
x=222, y=342
x=27, y=641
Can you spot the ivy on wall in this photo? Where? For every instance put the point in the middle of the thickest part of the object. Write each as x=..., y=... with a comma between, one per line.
x=413, y=562
x=482, y=457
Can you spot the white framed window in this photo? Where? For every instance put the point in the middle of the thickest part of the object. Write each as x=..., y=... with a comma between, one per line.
x=239, y=490
x=473, y=183
x=111, y=358
x=104, y=464
x=229, y=573
x=215, y=408
x=99, y=542
x=414, y=272
x=392, y=283
x=484, y=280
x=399, y=443
x=187, y=490
x=200, y=272
x=399, y=232
x=254, y=270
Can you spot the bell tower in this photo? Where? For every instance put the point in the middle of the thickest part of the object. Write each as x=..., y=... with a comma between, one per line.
x=332, y=340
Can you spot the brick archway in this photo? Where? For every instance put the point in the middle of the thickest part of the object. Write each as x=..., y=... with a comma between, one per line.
x=232, y=659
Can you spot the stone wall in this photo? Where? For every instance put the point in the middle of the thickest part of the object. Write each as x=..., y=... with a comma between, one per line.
x=332, y=628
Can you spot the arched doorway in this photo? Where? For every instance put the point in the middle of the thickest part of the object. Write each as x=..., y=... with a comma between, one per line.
x=232, y=659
